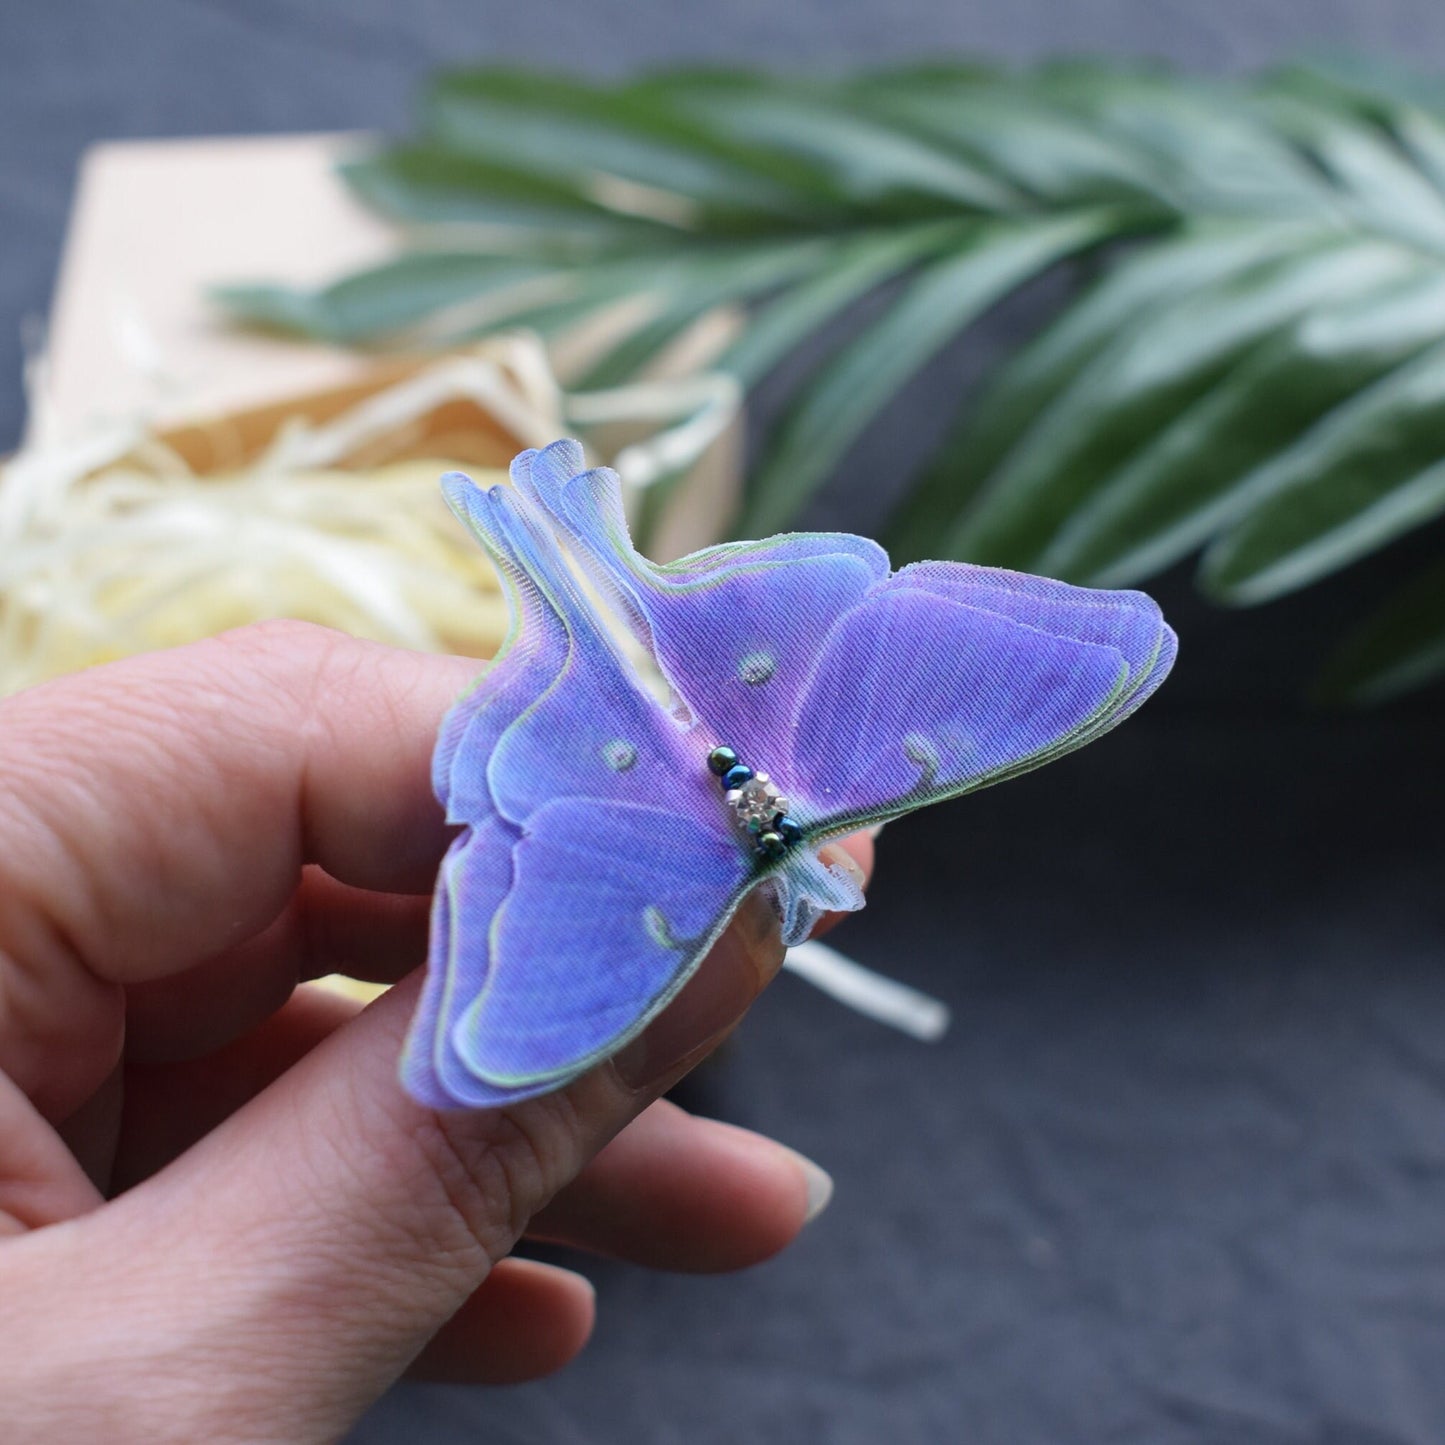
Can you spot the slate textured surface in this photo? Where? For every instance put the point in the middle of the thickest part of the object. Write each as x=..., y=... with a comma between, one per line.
x=1178, y=1175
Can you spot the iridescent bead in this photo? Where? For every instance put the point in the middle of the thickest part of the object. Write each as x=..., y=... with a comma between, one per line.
x=736, y=776
x=771, y=845
x=789, y=830
x=721, y=760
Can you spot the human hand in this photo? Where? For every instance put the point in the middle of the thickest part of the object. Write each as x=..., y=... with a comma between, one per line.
x=221, y=1219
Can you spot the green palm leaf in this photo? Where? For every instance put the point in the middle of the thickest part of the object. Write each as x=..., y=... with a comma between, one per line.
x=942, y=299
x=1257, y=373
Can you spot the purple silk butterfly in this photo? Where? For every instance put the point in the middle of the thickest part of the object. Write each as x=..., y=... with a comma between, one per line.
x=608, y=837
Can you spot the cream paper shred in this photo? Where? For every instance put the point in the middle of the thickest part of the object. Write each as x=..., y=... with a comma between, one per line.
x=130, y=558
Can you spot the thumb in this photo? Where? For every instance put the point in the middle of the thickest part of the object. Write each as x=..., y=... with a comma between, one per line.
x=280, y=1275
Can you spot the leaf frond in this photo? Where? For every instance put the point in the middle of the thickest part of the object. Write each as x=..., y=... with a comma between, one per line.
x=1257, y=373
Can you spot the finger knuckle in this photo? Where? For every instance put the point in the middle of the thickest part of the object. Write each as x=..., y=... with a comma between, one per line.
x=495, y=1171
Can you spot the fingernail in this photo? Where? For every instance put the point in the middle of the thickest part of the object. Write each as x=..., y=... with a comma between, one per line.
x=837, y=856
x=741, y=962
x=820, y=1186
x=875, y=829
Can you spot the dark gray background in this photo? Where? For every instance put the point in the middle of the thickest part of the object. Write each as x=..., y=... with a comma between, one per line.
x=1178, y=1174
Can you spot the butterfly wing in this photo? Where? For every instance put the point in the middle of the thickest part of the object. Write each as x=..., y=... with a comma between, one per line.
x=475, y=877
x=915, y=697
x=599, y=861
x=1130, y=622
x=529, y=661
x=609, y=913
x=476, y=873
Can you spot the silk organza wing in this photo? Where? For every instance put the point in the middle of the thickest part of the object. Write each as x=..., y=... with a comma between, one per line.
x=595, y=864
x=863, y=693
x=608, y=837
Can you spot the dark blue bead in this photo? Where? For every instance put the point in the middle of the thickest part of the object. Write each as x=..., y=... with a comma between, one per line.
x=736, y=776
x=771, y=845
x=719, y=760
x=790, y=831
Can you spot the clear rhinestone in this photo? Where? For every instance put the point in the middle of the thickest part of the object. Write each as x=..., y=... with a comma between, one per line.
x=757, y=801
